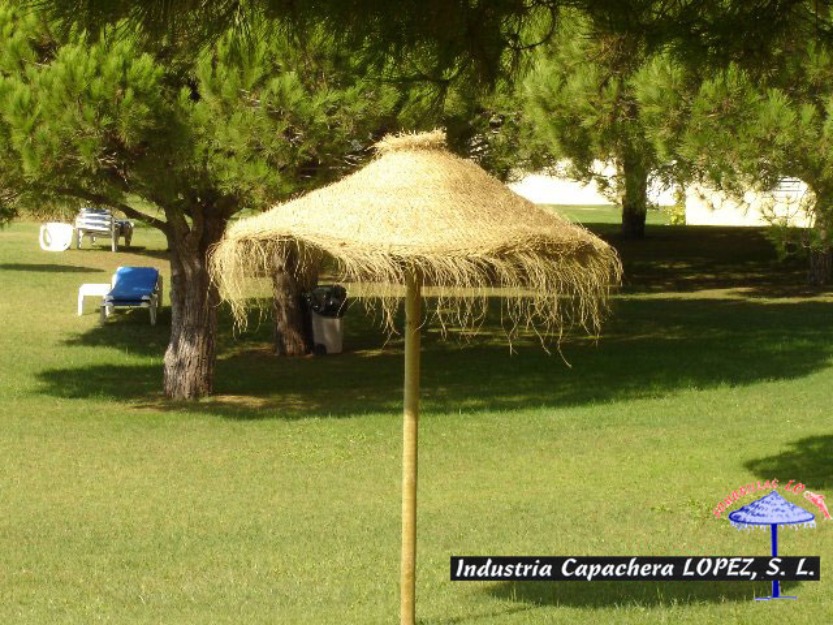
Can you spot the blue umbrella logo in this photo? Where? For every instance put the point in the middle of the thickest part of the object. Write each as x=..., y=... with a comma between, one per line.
x=772, y=510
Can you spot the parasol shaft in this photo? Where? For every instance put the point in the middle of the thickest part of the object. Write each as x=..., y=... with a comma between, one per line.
x=413, y=321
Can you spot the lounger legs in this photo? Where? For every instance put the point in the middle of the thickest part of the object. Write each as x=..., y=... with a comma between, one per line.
x=153, y=309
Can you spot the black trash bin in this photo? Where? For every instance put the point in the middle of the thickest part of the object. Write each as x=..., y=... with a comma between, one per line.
x=326, y=306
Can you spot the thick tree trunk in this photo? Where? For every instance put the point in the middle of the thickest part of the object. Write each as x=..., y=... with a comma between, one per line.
x=293, y=334
x=191, y=353
x=820, y=272
x=634, y=197
x=633, y=222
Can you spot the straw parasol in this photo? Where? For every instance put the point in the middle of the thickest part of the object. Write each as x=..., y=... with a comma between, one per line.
x=419, y=216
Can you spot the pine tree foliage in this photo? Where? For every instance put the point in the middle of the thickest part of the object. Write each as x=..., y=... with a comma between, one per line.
x=483, y=37
x=104, y=119
x=579, y=103
x=469, y=35
x=18, y=50
x=744, y=127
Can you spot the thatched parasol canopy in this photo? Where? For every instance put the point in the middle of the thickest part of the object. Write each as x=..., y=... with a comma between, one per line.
x=418, y=215
x=419, y=208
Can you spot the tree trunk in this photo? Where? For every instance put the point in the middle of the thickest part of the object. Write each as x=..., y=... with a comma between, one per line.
x=293, y=333
x=191, y=353
x=634, y=197
x=820, y=272
x=633, y=222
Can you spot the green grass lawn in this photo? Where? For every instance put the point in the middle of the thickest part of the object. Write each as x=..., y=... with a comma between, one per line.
x=277, y=501
x=607, y=214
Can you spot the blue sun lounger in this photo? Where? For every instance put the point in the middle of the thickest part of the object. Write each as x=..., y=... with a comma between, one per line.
x=134, y=287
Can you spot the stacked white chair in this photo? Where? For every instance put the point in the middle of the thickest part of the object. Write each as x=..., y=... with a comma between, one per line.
x=99, y=222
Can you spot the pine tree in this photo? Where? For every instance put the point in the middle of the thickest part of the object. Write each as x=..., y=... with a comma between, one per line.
x=579, y=104
x=18, y=35
x=184, y=144
x=746, y=127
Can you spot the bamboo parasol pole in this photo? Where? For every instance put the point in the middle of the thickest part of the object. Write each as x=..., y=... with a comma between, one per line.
x=409, y=448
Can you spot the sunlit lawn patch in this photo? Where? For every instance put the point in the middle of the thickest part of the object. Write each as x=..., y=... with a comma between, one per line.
x=277, y=500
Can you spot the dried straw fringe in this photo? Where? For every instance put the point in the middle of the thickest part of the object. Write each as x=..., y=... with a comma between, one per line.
x=545, y=293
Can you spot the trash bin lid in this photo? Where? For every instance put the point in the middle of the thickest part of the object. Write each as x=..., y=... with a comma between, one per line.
x=328, y=300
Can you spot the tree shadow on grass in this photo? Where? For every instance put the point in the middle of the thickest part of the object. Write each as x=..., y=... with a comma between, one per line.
x=808, y=460
x=140, y=250
x=696, y=258
x=130, y=331
x=123, y=382
x=473, y=618
x=47, y=268
x=632, y=594
x=651, y=347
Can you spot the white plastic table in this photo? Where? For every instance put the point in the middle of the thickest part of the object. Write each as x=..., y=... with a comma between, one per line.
x=91, y=290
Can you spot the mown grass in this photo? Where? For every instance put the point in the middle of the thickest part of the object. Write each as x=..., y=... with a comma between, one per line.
x=608, y=214
x=277, y=501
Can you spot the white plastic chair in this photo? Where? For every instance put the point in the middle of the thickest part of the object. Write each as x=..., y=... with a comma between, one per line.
x=55, y=236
